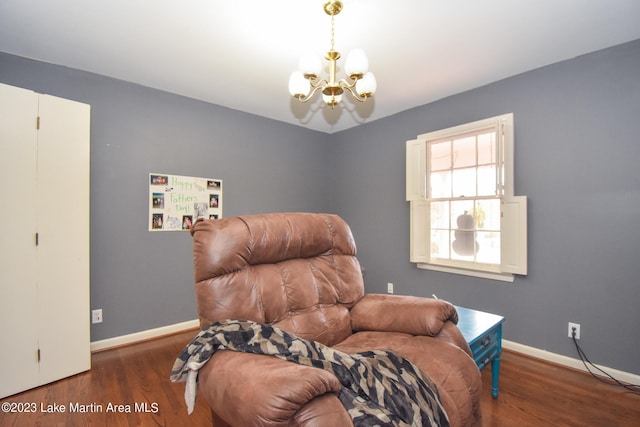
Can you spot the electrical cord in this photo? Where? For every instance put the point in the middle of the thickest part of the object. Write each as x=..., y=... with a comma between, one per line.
x=634, y=388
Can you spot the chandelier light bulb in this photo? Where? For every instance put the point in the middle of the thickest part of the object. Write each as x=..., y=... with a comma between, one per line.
x=299, y=86
x=310, y=64
x=332, y=100
x=367, y=85
x=357, y=63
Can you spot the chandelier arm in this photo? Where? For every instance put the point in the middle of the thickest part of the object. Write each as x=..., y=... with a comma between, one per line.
x=316, y=87
x=350, y=86
x=355, y=94
x=318, y=84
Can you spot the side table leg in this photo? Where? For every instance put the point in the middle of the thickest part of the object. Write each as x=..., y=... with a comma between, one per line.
x=495, y=375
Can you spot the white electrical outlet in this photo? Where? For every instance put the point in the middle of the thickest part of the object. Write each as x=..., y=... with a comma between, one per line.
x=389, y=288
x=577, y=330
x=96, y=316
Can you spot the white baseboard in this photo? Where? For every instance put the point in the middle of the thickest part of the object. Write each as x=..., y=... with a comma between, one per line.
x=568, y=361
x=143, y=335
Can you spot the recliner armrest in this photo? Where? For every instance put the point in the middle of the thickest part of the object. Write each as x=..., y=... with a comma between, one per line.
x=252, y=389
x=402, y=313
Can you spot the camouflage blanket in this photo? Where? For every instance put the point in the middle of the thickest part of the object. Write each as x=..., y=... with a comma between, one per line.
x=379, y=388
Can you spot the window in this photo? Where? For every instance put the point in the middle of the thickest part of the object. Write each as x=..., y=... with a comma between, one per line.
x=464, y=216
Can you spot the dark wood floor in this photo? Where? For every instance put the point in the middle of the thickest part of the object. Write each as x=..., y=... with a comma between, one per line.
x=532, y=393
x=130, y=375
x=535, y=393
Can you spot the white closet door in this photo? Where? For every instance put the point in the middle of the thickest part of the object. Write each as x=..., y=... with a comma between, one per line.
x=63, y=228
x=18, y=316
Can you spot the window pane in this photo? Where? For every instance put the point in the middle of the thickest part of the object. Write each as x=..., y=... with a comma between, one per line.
x=440, y=155
x=463, y=245
x=462, y=233
x=464, y=182
x=458, y=209
x=440, y=215
x=440, y=244
x=488, y=247
x=464, y=152
x=440, y=184
x=487, y=148
x=487, y=180
x=487, y=214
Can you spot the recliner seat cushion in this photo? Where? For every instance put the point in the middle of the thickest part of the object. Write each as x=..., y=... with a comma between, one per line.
x=445, y=364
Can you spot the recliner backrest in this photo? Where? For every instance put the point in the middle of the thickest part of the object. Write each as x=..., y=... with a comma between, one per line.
x=297, y=271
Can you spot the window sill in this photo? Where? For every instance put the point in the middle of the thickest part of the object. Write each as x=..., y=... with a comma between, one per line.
x=503, y=277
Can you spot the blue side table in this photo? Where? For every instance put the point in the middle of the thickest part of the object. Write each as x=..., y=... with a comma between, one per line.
x=483, y=333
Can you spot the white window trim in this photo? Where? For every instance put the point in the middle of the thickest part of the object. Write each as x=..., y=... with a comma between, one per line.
x=513, y=211
x=503, y=277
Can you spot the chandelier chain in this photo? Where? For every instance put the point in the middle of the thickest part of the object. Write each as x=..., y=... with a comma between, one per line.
x=333, y=32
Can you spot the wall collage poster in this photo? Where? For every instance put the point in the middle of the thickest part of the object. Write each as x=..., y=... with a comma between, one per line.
x=175, y=202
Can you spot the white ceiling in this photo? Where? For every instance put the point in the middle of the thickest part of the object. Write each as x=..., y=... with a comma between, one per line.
x=240, y=53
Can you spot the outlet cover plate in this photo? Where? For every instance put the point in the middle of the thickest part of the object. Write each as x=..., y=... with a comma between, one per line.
x=96, y=316
x=570, y=330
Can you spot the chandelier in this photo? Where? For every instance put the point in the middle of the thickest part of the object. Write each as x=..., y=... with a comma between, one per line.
x=360, y=83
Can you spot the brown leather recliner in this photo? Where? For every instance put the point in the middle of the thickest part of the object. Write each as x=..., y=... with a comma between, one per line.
x=299, y=272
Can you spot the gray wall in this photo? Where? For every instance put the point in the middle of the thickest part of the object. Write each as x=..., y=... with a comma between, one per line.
x=577, y=147
x=144, y=280
x=577, y=128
